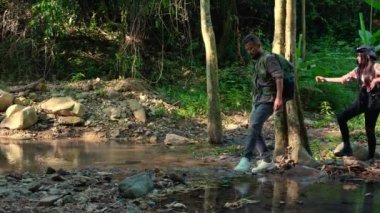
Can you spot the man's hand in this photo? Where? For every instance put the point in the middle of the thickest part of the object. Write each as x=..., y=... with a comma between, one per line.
x=277, y=104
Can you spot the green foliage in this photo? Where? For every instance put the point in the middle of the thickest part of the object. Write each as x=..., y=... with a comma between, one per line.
x=326, y=110
x=192, y=101
x=160, y=111
x=327, y=114
x=316, y=149
x=101, y=91
x=367, y=37
x=53, y=17
x=69, y=91
x=329, y=59
x=323, y=18
x=235, y=88
x=93, y=23
x=128, y=64
x=373, y=3
x=77, y=77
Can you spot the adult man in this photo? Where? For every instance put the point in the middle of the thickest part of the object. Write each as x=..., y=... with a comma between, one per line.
x=267, y=98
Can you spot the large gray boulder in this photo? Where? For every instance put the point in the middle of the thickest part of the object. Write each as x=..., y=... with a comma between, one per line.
x=6, y=100
x=359, y=152
x=19, y=117
x=136, y=186
x=65, y=106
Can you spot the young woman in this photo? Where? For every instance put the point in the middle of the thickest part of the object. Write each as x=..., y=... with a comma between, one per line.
x=367, y=73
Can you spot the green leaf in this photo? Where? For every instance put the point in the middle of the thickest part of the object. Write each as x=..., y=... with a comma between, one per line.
x=365, y=36
x=363, y=33
x=377, y=48
x=373, y=3
x=375, y=36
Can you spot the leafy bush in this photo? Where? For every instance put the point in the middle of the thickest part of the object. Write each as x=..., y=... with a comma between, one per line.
x=329, y=61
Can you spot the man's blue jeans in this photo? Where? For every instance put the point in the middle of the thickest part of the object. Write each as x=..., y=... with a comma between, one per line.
x=260, y=113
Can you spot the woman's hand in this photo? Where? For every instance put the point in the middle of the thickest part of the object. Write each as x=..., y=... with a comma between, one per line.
x=320, y=79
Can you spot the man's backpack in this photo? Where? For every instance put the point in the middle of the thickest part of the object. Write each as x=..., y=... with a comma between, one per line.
x=288, y=69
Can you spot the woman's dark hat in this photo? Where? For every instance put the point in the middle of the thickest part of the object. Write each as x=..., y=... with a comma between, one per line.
x=367, y=50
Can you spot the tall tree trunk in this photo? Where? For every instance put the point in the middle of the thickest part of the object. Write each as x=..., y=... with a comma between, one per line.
x=294, y=125
x=303, y=30
x=214, y=125
x=281, y=129
x=296, y=128
x=290, y=31
x=279, y=29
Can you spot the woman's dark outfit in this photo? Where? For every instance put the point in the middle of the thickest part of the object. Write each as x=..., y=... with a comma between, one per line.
x=370, y=114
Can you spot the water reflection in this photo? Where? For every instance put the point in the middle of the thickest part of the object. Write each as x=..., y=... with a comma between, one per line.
x=279, y=194
x=35, y=156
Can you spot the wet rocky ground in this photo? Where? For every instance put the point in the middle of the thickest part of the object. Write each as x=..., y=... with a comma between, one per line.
x=98, y=190
x=108, y=117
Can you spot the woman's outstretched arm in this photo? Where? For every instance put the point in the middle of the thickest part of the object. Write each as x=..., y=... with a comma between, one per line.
x=343, y=79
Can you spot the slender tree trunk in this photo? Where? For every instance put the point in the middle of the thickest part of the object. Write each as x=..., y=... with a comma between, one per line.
x=290, y=31
x=279, y=29
x=289, y=125
x=303, y=30
x=281, y=135
x=214, y=125
x=298, y=140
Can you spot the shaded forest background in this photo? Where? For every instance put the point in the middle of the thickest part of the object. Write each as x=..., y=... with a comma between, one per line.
x=161, y=42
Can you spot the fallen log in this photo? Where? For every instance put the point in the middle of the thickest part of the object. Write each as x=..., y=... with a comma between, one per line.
x=31, y=86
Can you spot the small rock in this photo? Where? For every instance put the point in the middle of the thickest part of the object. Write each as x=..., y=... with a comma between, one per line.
x=91, y=207
x=136, y=186
x=176, y=205
x=173, y=139
x=22, y=101
x=49, y=200
x=57, y=178
x=115, y=133
x=87, y=123
x=153, y=139
x=50, y=171
x=62, y=172
x=69, y=120
x=6, y=100
x=35, y=187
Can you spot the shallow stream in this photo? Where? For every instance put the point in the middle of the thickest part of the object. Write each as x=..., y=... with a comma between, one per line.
x=264, y=193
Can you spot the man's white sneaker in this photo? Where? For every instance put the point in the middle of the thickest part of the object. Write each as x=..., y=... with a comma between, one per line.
x=243, y=165
x=263, y=166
